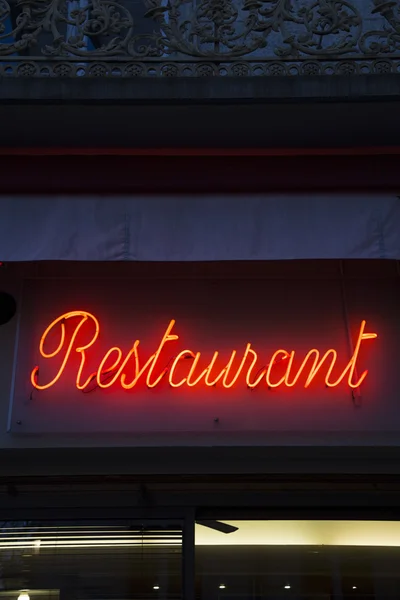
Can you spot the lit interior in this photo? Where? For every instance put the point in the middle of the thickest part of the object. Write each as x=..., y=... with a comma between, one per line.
x=249, y=533
x=303, y=533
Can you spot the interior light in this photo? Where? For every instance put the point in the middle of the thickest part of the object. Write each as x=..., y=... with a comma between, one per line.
x=24, y=596
x=354, y=587
x=222, y=586
x=156, y=587
x=287, y=587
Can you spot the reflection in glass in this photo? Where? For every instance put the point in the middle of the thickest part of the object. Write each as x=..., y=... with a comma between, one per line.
x=297, y=560
x=98, y=561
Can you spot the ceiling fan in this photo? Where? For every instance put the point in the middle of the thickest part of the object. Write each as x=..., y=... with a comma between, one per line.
x=217, y=526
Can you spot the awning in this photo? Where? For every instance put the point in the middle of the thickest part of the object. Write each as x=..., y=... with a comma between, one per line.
x=199, y=228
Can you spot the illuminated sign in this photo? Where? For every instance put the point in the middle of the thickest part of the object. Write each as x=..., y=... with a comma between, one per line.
x=126, y=369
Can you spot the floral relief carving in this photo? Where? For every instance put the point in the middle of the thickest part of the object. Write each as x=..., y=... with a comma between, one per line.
x=320, y=28
x=202, y=32
x=387, y=40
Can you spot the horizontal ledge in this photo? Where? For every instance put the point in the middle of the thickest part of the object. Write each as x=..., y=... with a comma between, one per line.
x=230, y=124
x=205, y=89
x=89, y=173
x=187, y=152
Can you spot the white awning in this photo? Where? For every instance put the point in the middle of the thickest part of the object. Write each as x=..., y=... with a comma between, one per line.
x=199, y=228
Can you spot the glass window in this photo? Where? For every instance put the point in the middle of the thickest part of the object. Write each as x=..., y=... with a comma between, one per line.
x=301, y=560
x=95, y=560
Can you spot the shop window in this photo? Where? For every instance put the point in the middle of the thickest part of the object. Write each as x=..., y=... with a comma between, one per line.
x=299, y=560
x=86, y=560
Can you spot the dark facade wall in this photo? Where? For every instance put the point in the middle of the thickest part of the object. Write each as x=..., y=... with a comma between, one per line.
x=64, y=454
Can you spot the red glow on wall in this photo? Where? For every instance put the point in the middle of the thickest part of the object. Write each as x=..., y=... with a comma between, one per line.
x=241, y=367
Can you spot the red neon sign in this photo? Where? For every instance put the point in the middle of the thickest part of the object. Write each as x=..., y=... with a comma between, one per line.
x=114, y=364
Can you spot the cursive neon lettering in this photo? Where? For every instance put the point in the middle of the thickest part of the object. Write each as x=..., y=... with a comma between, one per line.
x=227, y=370
x=85, y=316
x=351, y=367
x=274, y=360
x=101, y=370
x=210, y=366
x=168, y=337
x=138, y=371
x=114, y=367
x=318, y=363
x=205, y=374
x=177, y=359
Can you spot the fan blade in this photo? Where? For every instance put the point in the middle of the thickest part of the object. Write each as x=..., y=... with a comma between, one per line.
x=218, y=526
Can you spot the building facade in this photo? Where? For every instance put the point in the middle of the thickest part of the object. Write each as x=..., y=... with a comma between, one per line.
x=200, y=428
x=199, y=283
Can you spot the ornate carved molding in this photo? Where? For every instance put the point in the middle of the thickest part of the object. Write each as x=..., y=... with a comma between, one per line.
x=97, y=38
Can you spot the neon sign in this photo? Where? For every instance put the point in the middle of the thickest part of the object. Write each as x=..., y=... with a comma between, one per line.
x=115, y=368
